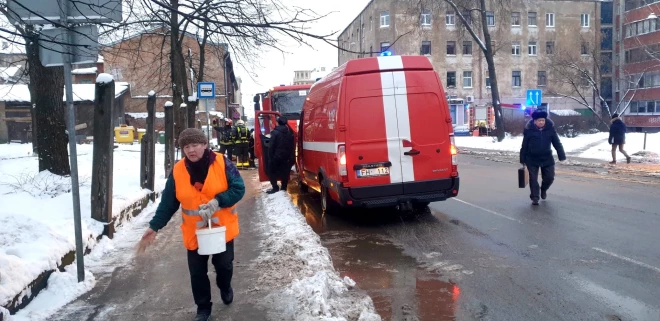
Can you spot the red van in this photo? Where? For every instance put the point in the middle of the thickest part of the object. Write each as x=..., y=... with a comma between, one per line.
x=377, y=132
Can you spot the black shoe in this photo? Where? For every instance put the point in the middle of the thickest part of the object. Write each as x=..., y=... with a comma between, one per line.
x=203, y=315
x=628, y=159
x=272, y=191
x=227, y=297
x=544, y=194
x=535, y=201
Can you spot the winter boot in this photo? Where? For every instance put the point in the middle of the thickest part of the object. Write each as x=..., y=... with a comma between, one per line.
x=228, y=296
x=628, y=159
x=613, y=162
x=544, y=194
x=203, y=315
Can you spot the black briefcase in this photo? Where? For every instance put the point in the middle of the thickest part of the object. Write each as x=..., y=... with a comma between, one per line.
x=523, y=177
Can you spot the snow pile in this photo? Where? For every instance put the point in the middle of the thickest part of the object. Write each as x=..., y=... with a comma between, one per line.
x=513, y=143
x=565, y=112
x=634, y=145
x=84, y=71
x=107, y=255
x=36, y=216
x=169, y=104
x=152, y=93
x=159, y=114
x=298, y=268
x=104, y=78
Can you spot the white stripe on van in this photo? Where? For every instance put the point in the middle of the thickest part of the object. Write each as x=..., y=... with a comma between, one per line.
x=325, y=147
x=390, y=62
x=391, y=127
x=401, y=96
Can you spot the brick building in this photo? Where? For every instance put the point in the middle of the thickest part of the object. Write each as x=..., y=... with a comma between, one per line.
x=523, y=36
x=143, y=61
x=638, y=62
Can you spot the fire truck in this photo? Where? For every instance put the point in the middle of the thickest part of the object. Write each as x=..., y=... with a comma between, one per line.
x=281, y=100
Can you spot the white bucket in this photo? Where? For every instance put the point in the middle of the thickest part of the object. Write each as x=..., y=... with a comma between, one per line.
x=211, y=240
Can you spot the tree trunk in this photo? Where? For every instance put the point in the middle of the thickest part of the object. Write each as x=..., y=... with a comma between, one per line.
x=178, y=70
x=495, y=93
x=47, y=84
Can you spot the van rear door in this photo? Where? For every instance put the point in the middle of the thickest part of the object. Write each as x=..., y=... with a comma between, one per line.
x=424, y=129
x=372, y=138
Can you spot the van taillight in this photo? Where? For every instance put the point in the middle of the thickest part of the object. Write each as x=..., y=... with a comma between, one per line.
x=341, y=155
x=454, y=157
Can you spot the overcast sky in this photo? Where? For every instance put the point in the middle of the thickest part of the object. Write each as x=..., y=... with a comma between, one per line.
x=278, y=68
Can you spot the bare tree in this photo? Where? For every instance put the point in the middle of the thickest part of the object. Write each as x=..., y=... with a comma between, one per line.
x=576, y=75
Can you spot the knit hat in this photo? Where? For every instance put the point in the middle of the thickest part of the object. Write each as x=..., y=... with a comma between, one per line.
x=192, y=136
x=615, y=116
x=539, y=114
x=282, y=120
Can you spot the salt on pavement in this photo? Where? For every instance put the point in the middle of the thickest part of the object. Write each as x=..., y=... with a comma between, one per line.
x=299, y=270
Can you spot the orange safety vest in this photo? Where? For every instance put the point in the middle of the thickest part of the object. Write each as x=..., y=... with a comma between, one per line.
x=190, y=199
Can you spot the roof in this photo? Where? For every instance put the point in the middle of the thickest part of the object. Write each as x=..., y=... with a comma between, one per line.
x=81, y=92
x=84, y=71
x=386, y=63
x=7, y=73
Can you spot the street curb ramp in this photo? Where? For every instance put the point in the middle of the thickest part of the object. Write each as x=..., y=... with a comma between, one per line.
x=28, y=294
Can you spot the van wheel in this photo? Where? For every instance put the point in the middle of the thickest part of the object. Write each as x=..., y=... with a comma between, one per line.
x=327, y=204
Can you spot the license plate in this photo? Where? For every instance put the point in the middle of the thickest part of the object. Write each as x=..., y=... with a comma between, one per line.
x=371, y=172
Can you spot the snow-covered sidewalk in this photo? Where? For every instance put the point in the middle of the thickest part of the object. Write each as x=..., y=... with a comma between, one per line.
x=36, y=216
x=591, y=146
x=299, y=271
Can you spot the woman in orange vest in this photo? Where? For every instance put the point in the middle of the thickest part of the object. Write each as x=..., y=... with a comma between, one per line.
x=207, y=186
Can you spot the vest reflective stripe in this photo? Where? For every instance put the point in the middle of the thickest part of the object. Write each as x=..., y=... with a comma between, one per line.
x=190, y=199
x=243, y=135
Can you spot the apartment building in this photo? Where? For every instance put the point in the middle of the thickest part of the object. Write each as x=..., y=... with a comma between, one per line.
x=308, y=77
x=524, y=36
x=637, y=62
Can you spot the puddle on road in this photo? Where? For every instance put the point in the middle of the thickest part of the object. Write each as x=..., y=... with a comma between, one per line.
x=400, y=288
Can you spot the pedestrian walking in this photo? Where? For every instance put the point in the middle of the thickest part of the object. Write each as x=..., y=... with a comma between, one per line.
x=618, y=138
x=280, y=155
x=251, y=148
x=536, y=153
x=207, y=187
x=225, y=138
x=241, y=143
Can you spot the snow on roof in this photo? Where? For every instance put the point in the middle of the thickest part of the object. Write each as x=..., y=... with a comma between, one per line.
x=144, y=115
x=101, y=59
x=565, y=112
x=8, y=48
x=9, y=72
x=211, y=112
x=84, y=71
x=104, y=78
x=81, y=92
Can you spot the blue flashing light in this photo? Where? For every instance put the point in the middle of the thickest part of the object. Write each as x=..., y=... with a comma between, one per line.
x=386, y=53
x=522, y=107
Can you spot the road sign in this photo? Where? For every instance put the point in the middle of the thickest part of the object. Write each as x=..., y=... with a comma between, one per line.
x=82, y=40
x=39, y=12
x=534, y=97
x=206, y=90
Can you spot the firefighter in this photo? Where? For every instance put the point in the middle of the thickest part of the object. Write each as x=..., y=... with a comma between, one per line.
x=225, y=137
x=241, y=144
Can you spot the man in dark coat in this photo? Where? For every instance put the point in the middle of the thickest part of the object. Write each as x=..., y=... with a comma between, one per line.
x=618, y=137
x=536, y=153
x=280, y=155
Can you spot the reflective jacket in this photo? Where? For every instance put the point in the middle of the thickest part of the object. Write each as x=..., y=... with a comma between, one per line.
x=241, y=135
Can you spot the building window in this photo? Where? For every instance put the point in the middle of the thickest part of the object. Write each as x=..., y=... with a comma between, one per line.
x=426, y=48
x=584, y=20
x=450, y=18
x=541, y=79
x=451, y=48
x=384, y=19
x=426, y=17
x=490, y=18
x=531, y=19
x=451, y=79
x=515, y=18
x=384, y=46
x=487, y=79
x=515, y=48
x=549, y=47
x=467, y=48
x=468, y=17
x=531, y=48
x=467, y=79
x=606, y=12
x=584, y=48
x=516, y=79
x=550, y=20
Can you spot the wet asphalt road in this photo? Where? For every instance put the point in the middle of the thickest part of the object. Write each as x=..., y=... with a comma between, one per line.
x=589, y=252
